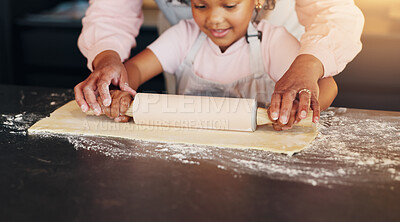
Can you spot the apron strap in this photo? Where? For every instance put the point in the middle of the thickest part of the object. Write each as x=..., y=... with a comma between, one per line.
x=256, y=62
x=195, y=47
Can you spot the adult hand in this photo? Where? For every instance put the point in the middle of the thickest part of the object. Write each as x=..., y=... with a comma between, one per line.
x=299, y=82
x=293, y=118
x=108, y=69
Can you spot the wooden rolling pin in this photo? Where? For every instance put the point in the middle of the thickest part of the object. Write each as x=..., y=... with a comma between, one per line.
x=219, y=113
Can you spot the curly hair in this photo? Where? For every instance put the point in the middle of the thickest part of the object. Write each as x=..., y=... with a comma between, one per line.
x=269, y=4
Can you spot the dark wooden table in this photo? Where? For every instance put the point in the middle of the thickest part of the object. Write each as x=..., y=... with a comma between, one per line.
x=351, y=172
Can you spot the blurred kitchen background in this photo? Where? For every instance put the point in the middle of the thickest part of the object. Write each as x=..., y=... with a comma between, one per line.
x=38, y=48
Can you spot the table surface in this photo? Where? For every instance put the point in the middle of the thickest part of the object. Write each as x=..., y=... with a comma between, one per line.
x=351, y=172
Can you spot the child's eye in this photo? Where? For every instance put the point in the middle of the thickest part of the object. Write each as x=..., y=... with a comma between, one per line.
x=199, y=6
x=230, y=6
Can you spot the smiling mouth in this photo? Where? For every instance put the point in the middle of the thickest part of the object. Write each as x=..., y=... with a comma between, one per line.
x=219, y=33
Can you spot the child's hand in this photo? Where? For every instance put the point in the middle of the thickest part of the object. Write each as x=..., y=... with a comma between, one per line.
x=293, y=118
x=119, y=105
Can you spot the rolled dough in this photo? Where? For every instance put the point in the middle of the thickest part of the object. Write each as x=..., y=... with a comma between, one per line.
x=69, y=119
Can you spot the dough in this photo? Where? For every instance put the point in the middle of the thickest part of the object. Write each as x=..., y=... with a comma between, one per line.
x=69, y=119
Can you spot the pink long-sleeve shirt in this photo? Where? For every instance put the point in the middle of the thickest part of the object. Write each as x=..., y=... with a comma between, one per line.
x=110, y=25
x=332, y=30
x=278, y=50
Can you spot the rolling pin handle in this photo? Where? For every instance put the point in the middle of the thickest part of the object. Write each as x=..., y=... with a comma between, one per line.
x=262, y=116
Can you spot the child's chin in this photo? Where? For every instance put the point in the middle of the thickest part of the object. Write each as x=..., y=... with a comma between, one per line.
x=223, y=46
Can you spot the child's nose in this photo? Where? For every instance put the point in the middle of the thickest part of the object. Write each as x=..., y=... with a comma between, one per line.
x=215, y=17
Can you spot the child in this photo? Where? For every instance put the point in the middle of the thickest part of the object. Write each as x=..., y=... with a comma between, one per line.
x=220, y=53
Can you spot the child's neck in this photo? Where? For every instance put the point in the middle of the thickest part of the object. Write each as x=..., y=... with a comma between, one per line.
x=223, y=48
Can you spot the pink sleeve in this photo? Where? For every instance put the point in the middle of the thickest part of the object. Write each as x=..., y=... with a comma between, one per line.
x=172, y=46
x=110, y=25
x=333, y=31
x=280, y=49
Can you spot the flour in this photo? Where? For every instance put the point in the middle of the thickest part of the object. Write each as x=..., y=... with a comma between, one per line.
x=347, y=151
x=17, y=123
x=352, y=148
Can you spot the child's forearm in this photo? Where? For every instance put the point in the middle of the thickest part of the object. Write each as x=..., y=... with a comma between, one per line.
x=133, y=72
x=327, y=92
x=142, y=68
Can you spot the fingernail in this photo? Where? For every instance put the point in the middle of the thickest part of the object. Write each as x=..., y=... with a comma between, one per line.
x=84, y=108
x=284, y=119
x=316, y=119
x=107, y=102
x=296, y=121
x=303, y=114
x=97, y=111
x=117, y=119
x=274, y=115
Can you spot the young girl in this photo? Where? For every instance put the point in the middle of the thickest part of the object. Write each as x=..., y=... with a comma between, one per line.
x=220, y=53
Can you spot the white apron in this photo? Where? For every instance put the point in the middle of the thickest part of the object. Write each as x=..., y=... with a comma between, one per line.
x=257, y=85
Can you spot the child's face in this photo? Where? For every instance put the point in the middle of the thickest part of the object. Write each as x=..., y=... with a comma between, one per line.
x=224, y=21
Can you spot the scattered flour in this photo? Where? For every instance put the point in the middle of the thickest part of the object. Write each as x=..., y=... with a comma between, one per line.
x=347, y=151
x=351, y=148
x=17, y=123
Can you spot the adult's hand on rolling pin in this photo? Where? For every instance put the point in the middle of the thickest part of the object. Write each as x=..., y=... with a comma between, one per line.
x=299, y=82
x=108, y=69
x=293, y=118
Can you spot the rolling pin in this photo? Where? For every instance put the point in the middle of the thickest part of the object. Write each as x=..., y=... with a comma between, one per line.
x=218, y=113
